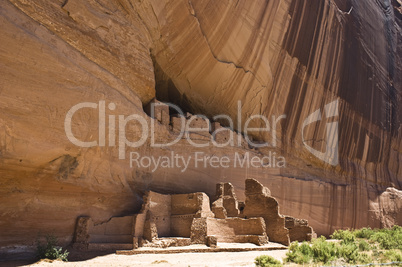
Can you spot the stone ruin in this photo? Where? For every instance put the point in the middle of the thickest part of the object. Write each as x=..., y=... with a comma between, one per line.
x=206, y=129
x=185, y=219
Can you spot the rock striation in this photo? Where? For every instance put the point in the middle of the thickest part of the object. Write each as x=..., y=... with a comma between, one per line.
x=278, y=57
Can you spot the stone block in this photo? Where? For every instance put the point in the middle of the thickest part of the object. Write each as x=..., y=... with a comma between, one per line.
x=220, y=212
x=215, y=126
x=155, y=110
x=81, y=235
x=199, y=231
x=212, y=241
x=178, y=124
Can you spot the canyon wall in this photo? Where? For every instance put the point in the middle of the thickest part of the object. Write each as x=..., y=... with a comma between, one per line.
x=278, y=57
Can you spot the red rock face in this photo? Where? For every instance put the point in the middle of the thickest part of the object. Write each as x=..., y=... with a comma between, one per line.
x=277, y=57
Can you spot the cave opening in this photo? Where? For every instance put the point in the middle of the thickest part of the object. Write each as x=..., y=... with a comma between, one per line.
x=166, y=91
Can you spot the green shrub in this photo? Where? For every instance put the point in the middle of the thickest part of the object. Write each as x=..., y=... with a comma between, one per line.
x=50, y=250
x=389, y=238
x=299, y=254
x=364, y=233
x=393, y=256
x=364, y=258
x=324, y=251
x=385, y=244
x=348, y=251
x=266, y=261
x=345, y=235
x=376, y=254
x=364, y=246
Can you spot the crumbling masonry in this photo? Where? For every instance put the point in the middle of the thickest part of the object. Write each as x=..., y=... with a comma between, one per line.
x=185, y=219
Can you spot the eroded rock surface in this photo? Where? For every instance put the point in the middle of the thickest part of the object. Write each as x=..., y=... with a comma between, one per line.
x=278, y=57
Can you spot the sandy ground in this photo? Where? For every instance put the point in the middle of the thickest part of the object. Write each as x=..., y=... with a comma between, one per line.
x=180, y=259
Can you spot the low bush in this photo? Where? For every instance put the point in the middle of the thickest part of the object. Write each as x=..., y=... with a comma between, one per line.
x=299, y=254
x=364, y=258
x=364, y=233
x=385, y=246
x=386, y=238
x=267, y=261
x=324, y=251
x=348, y=251
x=364, y=246
x=389, y=238
x=393, y=256
x=345, y=235
x=50, y=250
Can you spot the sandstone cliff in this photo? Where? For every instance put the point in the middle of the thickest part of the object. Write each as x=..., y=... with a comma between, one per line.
x=278, y=57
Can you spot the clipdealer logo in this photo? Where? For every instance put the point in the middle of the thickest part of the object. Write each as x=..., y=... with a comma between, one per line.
x=331, y=154
x=119, y=123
